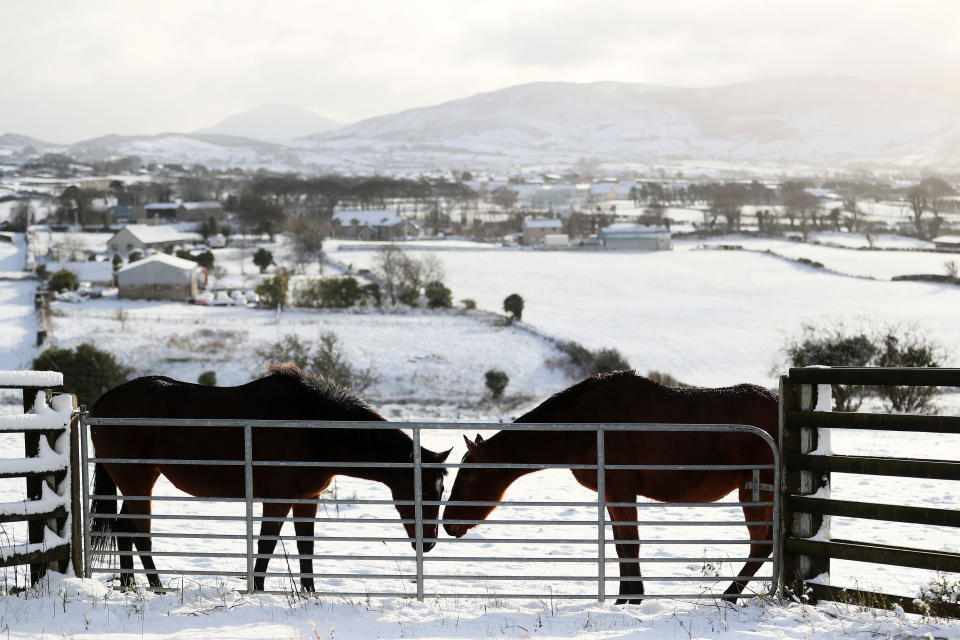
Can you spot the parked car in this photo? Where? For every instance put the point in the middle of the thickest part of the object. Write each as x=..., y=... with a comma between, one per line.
x=221, y=299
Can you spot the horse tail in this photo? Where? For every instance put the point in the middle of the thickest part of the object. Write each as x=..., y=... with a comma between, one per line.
x=103, y=485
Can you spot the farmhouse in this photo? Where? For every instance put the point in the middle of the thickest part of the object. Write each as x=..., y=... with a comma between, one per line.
x=138, y=237
x=625, y=236
x=159, y=277
x=536, y=230
x=947, y=243
x=370, y=224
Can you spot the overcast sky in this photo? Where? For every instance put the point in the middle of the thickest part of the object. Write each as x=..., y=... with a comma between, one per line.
x=75, y=70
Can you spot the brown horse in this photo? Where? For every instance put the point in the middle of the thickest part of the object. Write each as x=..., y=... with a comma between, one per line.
x=624, y=397
x=287, y=394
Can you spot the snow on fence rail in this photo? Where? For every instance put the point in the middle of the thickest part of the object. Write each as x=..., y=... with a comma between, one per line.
x=808, y=463
x=590, y=527
x=46, y=468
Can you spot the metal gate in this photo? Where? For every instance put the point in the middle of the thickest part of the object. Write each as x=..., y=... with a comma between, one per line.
x=372, y=573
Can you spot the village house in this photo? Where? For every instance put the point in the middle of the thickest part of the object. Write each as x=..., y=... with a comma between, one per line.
x=140, y=237
x=536, y=230
x=371, y=224
x=159, y=277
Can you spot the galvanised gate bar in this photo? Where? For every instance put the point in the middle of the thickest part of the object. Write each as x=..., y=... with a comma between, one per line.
x=428, y=584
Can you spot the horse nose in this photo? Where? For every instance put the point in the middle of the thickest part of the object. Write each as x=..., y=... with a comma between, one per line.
x=428, y=545
x=452, y=529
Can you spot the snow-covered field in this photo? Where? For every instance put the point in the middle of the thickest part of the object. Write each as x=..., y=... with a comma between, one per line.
x=708, y=317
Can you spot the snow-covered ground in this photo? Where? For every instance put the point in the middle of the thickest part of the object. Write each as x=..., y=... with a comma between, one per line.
x=708, y=317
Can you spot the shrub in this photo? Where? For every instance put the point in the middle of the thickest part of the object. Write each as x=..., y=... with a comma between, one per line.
x=665, y=379
x=608, y=360
x=469, y=304
x=117, y=262
x=371, y=294
x=204, y=259
x=582, y=362
x=835, y=348
x=62, y=280
x=908, y=350
x=409, y=296
x=438, y=296
x=891, y=347
x=87, y=371
x=339, y=293
x=263, y=259
x=134, y=256
x=273, y=291
x=496, y=381
x=513, y=304
x=208, y=378
x=324, y=358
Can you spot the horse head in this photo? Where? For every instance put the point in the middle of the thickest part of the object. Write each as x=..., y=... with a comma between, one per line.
x=431, y=481
x=472, y=485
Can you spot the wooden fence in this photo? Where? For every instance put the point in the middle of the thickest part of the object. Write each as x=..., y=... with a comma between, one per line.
x=807, y=545
x=50, y=479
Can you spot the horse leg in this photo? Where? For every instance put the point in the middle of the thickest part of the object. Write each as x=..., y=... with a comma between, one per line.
x=305, y=546
x=135, y=480
x=629, y=589
x=265, y=547
x=758, y=534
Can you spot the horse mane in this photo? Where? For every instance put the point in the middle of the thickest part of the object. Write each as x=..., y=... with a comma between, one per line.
x=547, y=409
x=585, y=385
x=327, y=389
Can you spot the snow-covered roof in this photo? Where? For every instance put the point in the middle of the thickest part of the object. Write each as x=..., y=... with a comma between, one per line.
x=542, y=223
x=627, y=227
x=209, y=204
x=368, y=217
x=162, y=258
x=947, y=240
x=162, y=206
x=155, y=234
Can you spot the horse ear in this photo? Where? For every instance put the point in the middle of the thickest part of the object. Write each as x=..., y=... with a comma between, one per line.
x=479, y=439
x=471, y=447
x=442, y=456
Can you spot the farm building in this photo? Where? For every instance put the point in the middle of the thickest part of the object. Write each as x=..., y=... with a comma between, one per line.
x=947, y=243
x=159, y=277
x=625, y=236
x=183, y=211
x=138, y=237
x=536, y=230
x=371, y=224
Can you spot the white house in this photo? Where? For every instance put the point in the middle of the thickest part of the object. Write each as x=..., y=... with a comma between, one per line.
x=370, y=224
x=536, y=230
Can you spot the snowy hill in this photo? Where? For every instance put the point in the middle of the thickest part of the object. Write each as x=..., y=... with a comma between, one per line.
x=767, y=126
x=273, y=124
x=809, y=120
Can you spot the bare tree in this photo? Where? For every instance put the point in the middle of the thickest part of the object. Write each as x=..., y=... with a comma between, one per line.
x=917, y=199
x=937, y=191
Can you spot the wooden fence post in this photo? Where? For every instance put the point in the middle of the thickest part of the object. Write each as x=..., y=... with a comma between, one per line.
x=798, y=568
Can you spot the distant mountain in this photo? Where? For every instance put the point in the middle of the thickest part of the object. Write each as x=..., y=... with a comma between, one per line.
x=768, y=126
x=798, y=120
x=273, y=124
x=18, y=143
